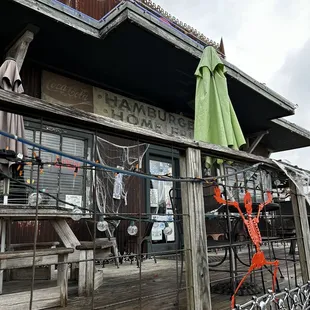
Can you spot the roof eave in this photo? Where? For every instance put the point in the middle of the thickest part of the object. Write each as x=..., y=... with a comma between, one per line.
x=293, y=127
x=139, y=15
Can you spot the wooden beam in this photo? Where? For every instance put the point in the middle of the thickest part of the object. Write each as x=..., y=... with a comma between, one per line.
x=302, y=230
x=19, y=48
x=63, y=14
x=99, y=279
x=82, y=274
x=26, y=105
x=62, y=279
x=86, y=273
x=22, y=212
x=29, y=253
x=65, y=233
x=259, y=137
x=14, y=246
x=195, y=237
x=89, y=272
x=115, y=19
x=15, y=263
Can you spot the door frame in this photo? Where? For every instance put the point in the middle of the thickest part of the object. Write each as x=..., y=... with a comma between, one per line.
x=168, y=155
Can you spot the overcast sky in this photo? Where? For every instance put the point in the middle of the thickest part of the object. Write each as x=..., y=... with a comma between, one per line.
x=267, y=39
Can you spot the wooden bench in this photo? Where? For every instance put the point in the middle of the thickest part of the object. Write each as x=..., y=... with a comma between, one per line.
x=103, y=248
x=22, y=259
x=39, y=245
x=47, y=273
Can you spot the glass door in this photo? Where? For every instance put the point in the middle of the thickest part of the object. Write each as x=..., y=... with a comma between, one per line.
x=160, y=203
x=164, y=234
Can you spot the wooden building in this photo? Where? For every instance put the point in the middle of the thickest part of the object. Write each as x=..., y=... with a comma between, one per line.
x=123, y=71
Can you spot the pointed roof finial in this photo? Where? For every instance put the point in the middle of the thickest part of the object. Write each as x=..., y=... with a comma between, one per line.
x=221, y=48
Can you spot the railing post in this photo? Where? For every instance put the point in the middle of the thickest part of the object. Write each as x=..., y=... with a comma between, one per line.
x=195, y=237
x=302, y=230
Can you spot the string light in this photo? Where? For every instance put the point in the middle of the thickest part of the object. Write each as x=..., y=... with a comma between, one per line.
x=102, y=225
x=167, y=230
x=32, y=199
x=107, y=168
x=132, y=229
x=76, y=214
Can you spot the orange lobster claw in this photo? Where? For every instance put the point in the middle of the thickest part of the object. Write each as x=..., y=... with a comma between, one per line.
x=217, y=195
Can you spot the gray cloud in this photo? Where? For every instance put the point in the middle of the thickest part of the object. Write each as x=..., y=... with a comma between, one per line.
x=215, y=19
x=293, y=81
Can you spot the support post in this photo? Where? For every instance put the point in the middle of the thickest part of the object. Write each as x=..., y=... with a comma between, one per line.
x=89, y=272
x=302, y=230
x=18, y=49
x=82, y=274
x=62, y=279
x=86, y=272
x=195, y=237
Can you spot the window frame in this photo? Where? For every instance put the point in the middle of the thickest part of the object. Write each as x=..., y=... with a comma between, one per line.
x=73, y=133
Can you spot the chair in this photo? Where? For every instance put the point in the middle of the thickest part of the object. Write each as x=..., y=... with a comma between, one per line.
x=147, y=237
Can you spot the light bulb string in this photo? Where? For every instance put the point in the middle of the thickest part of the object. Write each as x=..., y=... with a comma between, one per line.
x=44, y=192
x=133, y=172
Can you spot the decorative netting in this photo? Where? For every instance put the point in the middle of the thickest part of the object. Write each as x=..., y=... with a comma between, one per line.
x=111, y=188
x=299, y=177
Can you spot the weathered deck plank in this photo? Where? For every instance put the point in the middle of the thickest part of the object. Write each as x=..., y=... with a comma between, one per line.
x=122, y=287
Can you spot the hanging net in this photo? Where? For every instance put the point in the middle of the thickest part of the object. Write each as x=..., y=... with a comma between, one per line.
x=299, y=177
x=111, y=188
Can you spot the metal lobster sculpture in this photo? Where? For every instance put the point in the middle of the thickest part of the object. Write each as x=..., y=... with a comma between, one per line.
x=251, y=223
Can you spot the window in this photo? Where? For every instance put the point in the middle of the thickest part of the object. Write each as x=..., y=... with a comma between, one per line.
x=58, y=180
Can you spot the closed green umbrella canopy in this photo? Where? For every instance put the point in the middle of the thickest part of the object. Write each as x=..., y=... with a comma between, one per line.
x=215, y=119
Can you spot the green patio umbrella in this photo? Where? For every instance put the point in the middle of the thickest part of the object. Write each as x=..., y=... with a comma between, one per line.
x=215, y=119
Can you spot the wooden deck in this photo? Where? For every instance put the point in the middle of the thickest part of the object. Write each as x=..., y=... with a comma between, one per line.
x=158, y=284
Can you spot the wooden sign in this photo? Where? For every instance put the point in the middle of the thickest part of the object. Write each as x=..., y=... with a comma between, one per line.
x=140, y=114
x=65, y=91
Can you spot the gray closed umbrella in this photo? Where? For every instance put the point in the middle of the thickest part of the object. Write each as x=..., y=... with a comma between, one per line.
x=12, y=123
x=10, y=81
